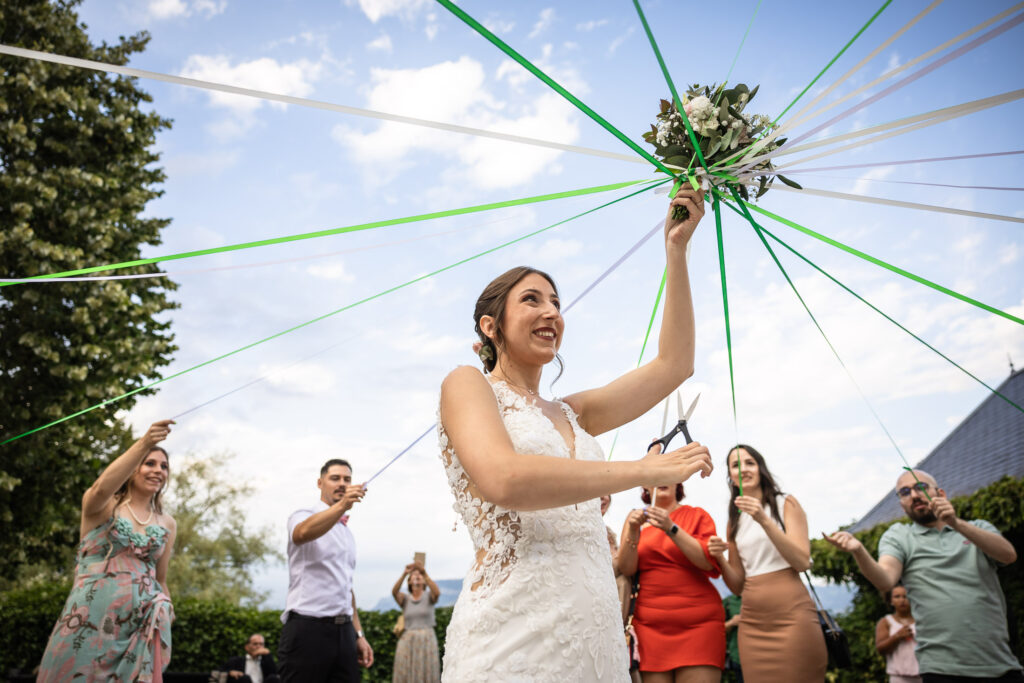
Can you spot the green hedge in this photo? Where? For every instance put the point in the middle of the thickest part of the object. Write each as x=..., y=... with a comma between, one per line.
x=205, y=633
x=1001, y=503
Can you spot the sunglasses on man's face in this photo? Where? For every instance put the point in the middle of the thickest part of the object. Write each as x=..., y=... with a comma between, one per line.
x=905, y=491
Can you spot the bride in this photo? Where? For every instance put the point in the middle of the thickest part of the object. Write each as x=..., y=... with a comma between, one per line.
x=540, y=601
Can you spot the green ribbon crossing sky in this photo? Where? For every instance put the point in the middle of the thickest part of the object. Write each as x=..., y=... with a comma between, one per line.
x=338, y=231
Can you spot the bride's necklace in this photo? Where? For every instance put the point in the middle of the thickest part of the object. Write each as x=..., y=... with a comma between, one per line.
x=128, y=504
x=528, y=390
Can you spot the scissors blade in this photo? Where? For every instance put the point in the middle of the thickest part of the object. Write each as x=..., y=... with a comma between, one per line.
x=690, y=411
x=664, y=417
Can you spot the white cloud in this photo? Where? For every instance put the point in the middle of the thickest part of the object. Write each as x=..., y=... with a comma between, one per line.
x=295, y=78
x=619, y=40
x=499, y=26
x=303, y=379
x=212, y=163
x=166, y=9
x=375, y=10
x=170, y=9
x=432, y=27
x=894, y=62
x=587, y=26
x=382, y=43
x=547, y=16
x=969, y=242
x=864, y=184
x=564, y=73
x=455, y=92
x=331, y=271
x=1009, y=254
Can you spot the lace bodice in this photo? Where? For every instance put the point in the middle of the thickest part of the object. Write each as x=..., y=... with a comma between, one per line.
x=539, y=603
x=495, y=530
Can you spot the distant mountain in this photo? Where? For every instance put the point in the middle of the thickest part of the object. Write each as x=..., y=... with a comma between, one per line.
x=450, y=589
x=836, y=598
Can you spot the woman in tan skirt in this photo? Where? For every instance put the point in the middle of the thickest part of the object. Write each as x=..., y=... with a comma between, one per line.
x=780, y=638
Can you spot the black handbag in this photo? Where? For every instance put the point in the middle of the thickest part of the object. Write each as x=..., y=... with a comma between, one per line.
x=836, y=642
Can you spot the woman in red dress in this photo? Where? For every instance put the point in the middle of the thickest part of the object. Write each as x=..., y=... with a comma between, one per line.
x=679, y=619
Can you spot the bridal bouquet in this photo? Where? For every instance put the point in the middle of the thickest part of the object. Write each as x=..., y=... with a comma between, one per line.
x=723, y=132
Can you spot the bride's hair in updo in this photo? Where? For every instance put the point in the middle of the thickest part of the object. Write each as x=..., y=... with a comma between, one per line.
x=492, y=302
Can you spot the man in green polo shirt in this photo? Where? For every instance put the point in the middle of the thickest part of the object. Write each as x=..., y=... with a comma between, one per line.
x=949, y=568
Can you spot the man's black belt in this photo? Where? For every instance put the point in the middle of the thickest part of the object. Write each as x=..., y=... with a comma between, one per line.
x=340, y=619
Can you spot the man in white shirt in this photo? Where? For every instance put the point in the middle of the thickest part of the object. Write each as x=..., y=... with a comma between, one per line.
x=322, y=640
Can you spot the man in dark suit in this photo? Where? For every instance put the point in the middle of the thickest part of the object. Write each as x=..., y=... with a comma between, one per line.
x=257, y=666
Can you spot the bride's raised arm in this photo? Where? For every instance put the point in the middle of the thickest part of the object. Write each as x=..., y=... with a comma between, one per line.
x=522, y=481
x=637, y=391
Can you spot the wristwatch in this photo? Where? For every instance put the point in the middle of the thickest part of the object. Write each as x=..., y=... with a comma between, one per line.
x=359, y=634
x=673, y=530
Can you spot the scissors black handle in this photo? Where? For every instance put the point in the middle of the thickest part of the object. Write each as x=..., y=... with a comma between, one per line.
x=680, y=428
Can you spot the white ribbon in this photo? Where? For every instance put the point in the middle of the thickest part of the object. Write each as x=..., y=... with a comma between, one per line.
x=795, y=119
x=929, y=119
x=900, y=69
x=303, y=102
x=905, y=205
x=901, y=162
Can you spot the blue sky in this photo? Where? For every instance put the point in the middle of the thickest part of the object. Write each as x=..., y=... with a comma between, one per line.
x=241, y=169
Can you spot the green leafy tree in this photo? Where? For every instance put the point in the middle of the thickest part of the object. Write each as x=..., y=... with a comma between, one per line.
x=1001, y=503
x=76, y=173
x=214, y=554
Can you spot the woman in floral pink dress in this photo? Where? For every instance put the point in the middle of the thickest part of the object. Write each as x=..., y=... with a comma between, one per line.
x=116, y=624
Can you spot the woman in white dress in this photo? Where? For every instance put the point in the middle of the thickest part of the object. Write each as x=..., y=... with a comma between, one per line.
x=540, y=602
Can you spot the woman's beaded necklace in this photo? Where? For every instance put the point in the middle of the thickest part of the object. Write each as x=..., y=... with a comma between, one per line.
x=131, y=512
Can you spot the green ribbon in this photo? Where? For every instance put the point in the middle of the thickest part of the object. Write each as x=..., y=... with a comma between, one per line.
x=879, y=262
x=672, y=87
x=643, y=347
x=725, y=306
x=771, y=252
x=330, y=314
x=882, y=313
x=338, y=231
x=654, y=313
x=657, y=53
x=529, y=66
x=740, y=48
x=821, y=73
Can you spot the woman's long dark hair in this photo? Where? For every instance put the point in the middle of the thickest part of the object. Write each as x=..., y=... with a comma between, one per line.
x=769, y=489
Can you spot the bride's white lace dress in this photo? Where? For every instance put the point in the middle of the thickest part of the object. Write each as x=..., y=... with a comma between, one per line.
x=540, y=602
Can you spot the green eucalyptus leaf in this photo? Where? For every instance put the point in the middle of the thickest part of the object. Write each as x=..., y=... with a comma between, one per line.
x=789, y=182
x=762, y=186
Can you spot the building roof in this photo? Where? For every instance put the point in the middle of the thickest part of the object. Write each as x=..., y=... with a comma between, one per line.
x=987, y=445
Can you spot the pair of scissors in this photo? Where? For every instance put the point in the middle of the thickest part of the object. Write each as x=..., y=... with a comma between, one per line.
x=680, y=427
